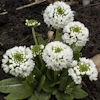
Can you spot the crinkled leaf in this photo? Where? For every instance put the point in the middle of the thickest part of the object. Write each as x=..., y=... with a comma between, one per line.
x=9, y=85
x=78, y=93
x=42, y=95
x=41, y=40
x=67, y=97
x=19, y=93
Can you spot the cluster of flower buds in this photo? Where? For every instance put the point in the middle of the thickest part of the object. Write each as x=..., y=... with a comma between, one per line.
x=32, y=23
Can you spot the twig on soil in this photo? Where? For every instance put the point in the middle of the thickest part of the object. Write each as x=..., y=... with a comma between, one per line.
x=88, y=91
x=1, y=43
x=73, y=2
x=84, y=84
x=92, y=98
x=25, y=6
x=88, y=6
x=25, y=38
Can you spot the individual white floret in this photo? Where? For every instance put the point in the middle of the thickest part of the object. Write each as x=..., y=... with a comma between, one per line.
x=78, y=79
x=57, y=55
x=73, y=63
x=18, y=61
x=58, y=15
x=75, y=32
x=94, y=75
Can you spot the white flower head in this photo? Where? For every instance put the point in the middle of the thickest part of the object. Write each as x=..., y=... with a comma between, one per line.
x=32, y=23
x=58, y=15
x=83, y=67
x=37, y=49
x=75, y=32
x=57, y=55
x=18, y=61
x=87, y=66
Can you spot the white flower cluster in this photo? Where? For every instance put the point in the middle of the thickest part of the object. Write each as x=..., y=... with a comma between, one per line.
x=37, y=49
x=58, y=14
x=57, y=55
x=18, y=61
x=75, y=32
x=31, y=23
x=84, y=67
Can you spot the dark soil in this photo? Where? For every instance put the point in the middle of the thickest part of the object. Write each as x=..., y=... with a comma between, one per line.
x=13, y=32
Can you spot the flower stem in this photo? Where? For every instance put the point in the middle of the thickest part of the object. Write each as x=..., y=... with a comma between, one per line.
x=57, y=35
x=34, y=36
x=35, y=40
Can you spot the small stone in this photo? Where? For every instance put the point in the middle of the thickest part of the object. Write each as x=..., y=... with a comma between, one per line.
x=50, y=35
x=96, y=60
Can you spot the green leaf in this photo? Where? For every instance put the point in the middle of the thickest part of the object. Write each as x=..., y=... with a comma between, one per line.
x=69, y=81
x=16, y=89
x=41, y=40
x=78, y=93
x=54, y=83
x=37, y=62
x=64, y=73
x=47, y=88
x=76, y=55
x=59, y=96
x=41, y=83
x=63, y=83
x=42, y=95
x=19, y=93
x=37, y=72
x=26, y=84
x=76, y=48
x=54, y=91
x=32, y=97
x=49, y=74
x=9, y=85
x=67, y=97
